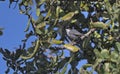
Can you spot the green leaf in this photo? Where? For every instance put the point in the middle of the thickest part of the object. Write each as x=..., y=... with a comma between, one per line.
x=58, y=11
x=105, y=54
x=118, y=46
x=107, y=68
x=86, y=42
x=68, y=16
x=39, y=2
x=39, y=20
x=56, y=20
x=97, y=62
x=46, y=31
x=114, y=56
x=99, y=25
x=30, y=50
x=48, y=14
x=38, y=31
x=97, y=35
x=108, y=6
x=28, y=25
x=64, y=69
x=29, y=56
x=97, y=53
x=37, y=11
x=73, y=21
x=84, y=6
x=71, y=47
x=54, y=41
x=41, y=25
x=25, y=3
x=87, y=65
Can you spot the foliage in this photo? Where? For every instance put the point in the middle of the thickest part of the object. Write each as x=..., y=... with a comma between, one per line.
x=100, y=44
x=1, y=32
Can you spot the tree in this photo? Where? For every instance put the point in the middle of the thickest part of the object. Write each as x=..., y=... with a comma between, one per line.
x=99, y=44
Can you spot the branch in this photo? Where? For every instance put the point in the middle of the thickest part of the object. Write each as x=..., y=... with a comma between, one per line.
x=88, y=33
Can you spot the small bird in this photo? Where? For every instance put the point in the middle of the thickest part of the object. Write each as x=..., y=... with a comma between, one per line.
x=73, y=33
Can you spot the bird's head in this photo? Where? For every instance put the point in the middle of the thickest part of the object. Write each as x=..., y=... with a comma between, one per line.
x=67, y=30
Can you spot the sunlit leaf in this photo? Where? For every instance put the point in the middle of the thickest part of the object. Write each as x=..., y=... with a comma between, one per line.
x=73, y=21
x=108, y=6
x=41, y=25
x=105, y=54
x=97, y=62
x=97, y=35
x=99, y=25
x=76, y=12
x=71, y=47
x=84, y=6
x=38, y=31
x=110, y=38
x=48, y=14
x=118, y=46
x=114, y=56
x=87, y=65
x=107, y=65
x=25, y=3
x=54, y=41
x=28, y=56
x=58, y=11
x=39, y=2
x=68, y=16
x=37, y=11
x=55, y=21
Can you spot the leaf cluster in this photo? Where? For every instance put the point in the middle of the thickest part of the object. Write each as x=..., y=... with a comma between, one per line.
x=98, y=21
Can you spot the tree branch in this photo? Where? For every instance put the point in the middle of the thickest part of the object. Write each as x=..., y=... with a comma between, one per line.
x=88, y=33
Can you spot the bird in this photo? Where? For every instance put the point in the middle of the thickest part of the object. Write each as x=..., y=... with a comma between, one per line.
x=73, y=34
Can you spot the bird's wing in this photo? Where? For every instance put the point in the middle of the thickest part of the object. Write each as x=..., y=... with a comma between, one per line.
x=75, y=32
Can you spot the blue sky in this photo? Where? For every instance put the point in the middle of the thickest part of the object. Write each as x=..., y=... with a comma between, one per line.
x=14, y=25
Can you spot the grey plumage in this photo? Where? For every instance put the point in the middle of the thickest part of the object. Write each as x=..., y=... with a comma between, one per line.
x=73, y=34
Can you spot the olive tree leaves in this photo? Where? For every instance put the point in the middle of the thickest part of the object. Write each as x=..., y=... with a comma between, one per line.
x=99, y=44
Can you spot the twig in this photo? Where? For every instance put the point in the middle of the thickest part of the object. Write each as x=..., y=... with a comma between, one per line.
x=88, y=33
x=32, y=21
